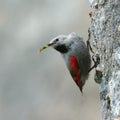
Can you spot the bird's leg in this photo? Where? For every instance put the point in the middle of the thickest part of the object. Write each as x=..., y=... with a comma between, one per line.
x=96, y=62
x=88, y=41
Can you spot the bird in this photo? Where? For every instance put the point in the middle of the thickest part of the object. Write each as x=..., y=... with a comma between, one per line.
x=75, y=54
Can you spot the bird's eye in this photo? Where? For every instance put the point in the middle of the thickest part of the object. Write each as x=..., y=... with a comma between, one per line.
x=57, y=40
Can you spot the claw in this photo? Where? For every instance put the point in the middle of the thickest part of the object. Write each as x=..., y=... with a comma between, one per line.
x=96, y=62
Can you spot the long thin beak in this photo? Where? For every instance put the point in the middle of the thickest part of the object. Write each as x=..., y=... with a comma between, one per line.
x=46, y=46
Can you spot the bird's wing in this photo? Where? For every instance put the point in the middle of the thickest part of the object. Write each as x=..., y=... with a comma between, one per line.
x=75, y=71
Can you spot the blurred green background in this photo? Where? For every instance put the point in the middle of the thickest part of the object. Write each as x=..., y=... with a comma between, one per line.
x=38, y=86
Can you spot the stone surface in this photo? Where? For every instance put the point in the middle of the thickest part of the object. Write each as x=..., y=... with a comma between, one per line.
x=105, y=26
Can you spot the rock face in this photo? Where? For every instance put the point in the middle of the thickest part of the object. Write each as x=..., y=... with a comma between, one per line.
x=105, y=27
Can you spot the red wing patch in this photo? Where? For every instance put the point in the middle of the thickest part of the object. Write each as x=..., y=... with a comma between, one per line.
x=75, y=71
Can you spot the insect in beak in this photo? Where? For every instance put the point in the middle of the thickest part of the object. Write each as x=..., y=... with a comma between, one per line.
x=44, y=47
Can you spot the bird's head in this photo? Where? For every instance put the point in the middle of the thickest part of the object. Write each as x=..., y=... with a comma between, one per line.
x=60, y=43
